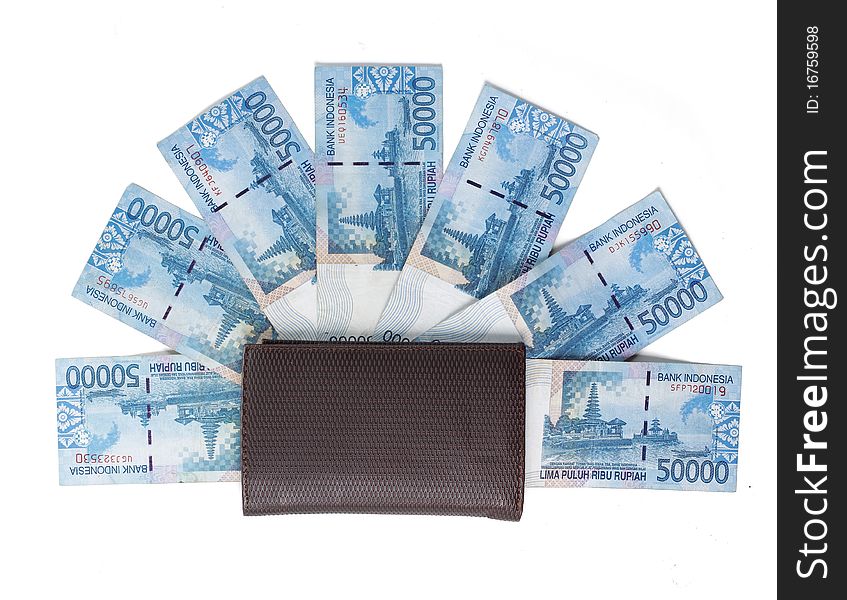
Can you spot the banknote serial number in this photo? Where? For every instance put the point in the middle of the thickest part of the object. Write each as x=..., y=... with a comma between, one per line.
x=121, y=291
x=633, y=236
x=699, y=388
x=89, y=459
x=710, y=384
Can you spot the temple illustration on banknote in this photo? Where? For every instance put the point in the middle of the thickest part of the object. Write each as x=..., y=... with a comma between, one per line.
x=388, y=220
x=586, y=437
x=588, y=431
x=250, y=173
x=211, y=409
x=296, y=219
x=492, y=255
x=385, y=222
x=563, y=326
x=578, y=328
x=227, y=293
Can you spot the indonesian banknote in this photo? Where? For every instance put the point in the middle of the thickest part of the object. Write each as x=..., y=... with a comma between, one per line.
x=160, y=270
x=164, y=418
x=496, y=214
x=378, y=132
x=632, y=425
x=157, y=418
x=251, y=175
x=604, y=296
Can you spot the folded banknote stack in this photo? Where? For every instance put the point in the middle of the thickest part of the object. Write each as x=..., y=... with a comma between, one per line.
x=370, y=239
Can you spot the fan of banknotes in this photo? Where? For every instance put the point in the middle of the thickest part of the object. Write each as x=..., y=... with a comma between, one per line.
x=368, y=239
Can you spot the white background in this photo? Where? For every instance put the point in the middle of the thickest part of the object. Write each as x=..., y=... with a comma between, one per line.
x=683, y=97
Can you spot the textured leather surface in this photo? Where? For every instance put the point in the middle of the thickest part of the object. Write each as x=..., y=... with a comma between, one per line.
x=384, y=428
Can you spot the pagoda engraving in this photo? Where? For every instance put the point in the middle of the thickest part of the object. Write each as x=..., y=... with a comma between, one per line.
x=388, y=220
x=293, y=238
x=580, y=331
x=588, y=431
x=210, y=409
x=488, y=263
x=656, y=434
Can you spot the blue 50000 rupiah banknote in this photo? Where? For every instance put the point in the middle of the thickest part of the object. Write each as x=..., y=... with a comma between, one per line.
x=671, y=426
x=496, y=214
x=604, y=296
x=379, y=154
x=157, y=418
x=251, y=175
x=160, y=270
x=164, y=418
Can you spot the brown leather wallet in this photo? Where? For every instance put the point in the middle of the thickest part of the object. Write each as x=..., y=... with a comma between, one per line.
x=383, y=428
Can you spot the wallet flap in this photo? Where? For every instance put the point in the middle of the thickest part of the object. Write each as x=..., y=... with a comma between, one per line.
x=384, y=428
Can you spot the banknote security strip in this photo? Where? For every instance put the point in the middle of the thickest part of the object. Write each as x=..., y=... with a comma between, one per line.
x=378, y=131
x=604, y=296
x=155, y=418
x=496, y=214
x=251, y=175
x=165, y=418
x=161, y=271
